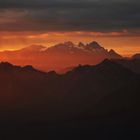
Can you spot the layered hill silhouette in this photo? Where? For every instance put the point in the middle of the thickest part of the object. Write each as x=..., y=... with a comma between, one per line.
x=60, y=56
x=81, y=102
x=132, y=64
x=136, y=56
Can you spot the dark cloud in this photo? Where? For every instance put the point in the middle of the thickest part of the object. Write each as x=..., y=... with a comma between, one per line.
x=70, y=15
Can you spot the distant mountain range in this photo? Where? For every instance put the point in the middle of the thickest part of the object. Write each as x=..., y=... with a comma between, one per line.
x=60, y=56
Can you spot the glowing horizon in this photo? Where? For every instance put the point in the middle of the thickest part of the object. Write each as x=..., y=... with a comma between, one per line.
x=123, y=44
x=115, y=24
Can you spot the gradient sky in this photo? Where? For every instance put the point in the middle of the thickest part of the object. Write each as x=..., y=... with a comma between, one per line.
x=113, y=23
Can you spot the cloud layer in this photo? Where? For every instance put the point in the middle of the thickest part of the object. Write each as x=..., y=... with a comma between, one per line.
x=70, y=15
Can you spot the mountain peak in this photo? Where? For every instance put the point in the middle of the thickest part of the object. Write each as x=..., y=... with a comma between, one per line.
x=7, y=67
x=29, y=68
x=107, y=64
x=113, y=54
x=64, y=45
x=81, y=44
x=113, y=68
x=112, y=51
x=94, y=45
x=136, y=56
x=106, y=61
x=6, y=64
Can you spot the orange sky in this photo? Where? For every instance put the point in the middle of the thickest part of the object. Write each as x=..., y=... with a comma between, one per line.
x=115, y=24
x=120, y=41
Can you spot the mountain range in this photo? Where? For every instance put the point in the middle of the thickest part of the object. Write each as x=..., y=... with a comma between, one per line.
x=95, y=97
x=60, y=56
x=86, y=101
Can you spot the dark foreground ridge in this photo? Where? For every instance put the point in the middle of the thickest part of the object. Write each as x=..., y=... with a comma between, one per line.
x=88, y=102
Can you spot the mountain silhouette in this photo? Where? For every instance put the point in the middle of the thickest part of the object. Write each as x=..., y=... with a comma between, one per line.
x=83, y=81
x=67, y=47
x=7, y=67
x=136, y=56
x=94, y=46
x=132, y=64
x=81, y=102
x=114, y=55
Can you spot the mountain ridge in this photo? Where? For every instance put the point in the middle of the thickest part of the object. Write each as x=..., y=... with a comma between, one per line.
x=60, y=56
x=87, y=96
